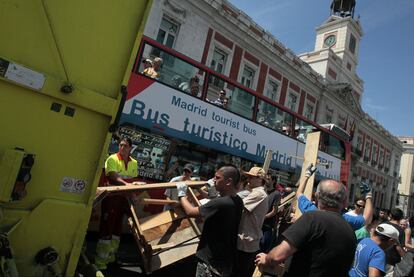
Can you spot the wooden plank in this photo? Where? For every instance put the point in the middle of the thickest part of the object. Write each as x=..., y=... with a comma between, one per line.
x=174, y=254
x=267, y=160
x=310, y=157
x=149, y=201
x=136, y=188
x=163, y=246
x=166, y=229
x=193, y=197
x=288, y=197
x=162, y=218
x=176, y=238
x=197, y=203
x=282, y=206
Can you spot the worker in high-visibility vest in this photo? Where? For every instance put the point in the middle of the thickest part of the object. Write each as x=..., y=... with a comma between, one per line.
x=119, y=167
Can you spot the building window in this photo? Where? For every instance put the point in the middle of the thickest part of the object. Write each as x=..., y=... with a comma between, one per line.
x=341, y=122
x=367, y=150
x=328, y=115
x=359, y=142
x=374, y=153
x=218, y=64
x=247, y=77
x=272, y=90
x=308, y=111
x=381, y=157
x=167, y=34
x=292, y=101
x=352, y=44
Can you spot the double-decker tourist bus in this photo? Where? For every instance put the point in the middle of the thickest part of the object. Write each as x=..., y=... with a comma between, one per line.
x=189, y=113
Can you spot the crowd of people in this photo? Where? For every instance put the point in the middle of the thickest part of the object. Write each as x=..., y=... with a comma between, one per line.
x=244, y=227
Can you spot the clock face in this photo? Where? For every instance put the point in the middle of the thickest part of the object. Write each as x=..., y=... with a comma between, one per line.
x=330, y=40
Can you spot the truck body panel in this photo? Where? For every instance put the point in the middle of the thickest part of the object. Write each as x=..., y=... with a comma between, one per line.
x=85, y=49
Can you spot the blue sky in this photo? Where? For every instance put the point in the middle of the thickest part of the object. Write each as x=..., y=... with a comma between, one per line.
x=386, y=58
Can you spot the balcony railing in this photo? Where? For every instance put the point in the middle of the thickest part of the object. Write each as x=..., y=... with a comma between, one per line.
x=373, y=163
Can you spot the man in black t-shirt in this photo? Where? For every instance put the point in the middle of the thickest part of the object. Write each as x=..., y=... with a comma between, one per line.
x=268, y=241
x=322, y=242
x=217, y=248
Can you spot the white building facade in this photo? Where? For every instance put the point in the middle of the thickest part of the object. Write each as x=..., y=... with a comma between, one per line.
x=406, y=184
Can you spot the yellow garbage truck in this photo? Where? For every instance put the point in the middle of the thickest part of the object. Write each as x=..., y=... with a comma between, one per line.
x=64, y=66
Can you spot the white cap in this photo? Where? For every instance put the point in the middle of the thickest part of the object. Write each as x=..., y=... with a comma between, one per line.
x=388, y=231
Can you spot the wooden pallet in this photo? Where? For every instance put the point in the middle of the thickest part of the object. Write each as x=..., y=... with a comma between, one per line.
x=163, y=238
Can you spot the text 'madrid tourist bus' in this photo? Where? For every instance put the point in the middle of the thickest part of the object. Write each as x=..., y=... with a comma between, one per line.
x=179, y=117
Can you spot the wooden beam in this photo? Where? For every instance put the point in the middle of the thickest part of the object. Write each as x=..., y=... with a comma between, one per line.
x=192, y=220
x=102, y=192
x=174, y=254
x=166, y=230
x=135, y=188
x=310, y=157
x=149, y=201
x=161, y=218
x=267, y=160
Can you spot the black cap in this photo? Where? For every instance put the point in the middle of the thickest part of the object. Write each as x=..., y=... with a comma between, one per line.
x=189, y=167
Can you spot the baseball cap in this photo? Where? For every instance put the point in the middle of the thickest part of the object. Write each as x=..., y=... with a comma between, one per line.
x=189, y=167
x=388, y=231
x=256, y=172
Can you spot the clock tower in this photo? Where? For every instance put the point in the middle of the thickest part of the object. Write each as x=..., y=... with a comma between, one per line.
x=336, y=51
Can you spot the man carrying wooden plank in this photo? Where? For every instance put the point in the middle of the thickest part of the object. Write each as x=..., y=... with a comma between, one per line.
x=250, y=231
x=313, y=239
x=217, y=247
x=356, y=221
x=118, y=168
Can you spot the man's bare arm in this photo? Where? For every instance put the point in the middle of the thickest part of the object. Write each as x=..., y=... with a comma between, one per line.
x=115, y=179
x=281, y=252
x=374, y=272
x=188, y=208
x=368, y=210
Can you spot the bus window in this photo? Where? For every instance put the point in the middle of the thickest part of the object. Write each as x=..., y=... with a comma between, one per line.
x=267, y=114
x=285, y=120
x=332, y=146
x=230, y=97
x=176, y=72
x=242, y=102
x=274, y=118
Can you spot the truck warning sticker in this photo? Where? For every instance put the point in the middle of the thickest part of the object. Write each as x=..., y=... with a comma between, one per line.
x=24, y=76
x=73, y=185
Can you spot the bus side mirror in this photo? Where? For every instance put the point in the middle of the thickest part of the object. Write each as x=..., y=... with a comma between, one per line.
x=15, y=167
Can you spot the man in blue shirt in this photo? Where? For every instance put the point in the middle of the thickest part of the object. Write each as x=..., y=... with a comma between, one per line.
x=369, y=255
x=356, y=221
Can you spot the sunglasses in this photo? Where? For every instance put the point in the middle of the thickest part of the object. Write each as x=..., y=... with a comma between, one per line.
x=123, y=145
x=360, y=206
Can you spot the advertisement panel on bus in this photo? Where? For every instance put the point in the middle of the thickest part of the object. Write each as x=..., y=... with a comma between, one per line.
x=172, y=113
